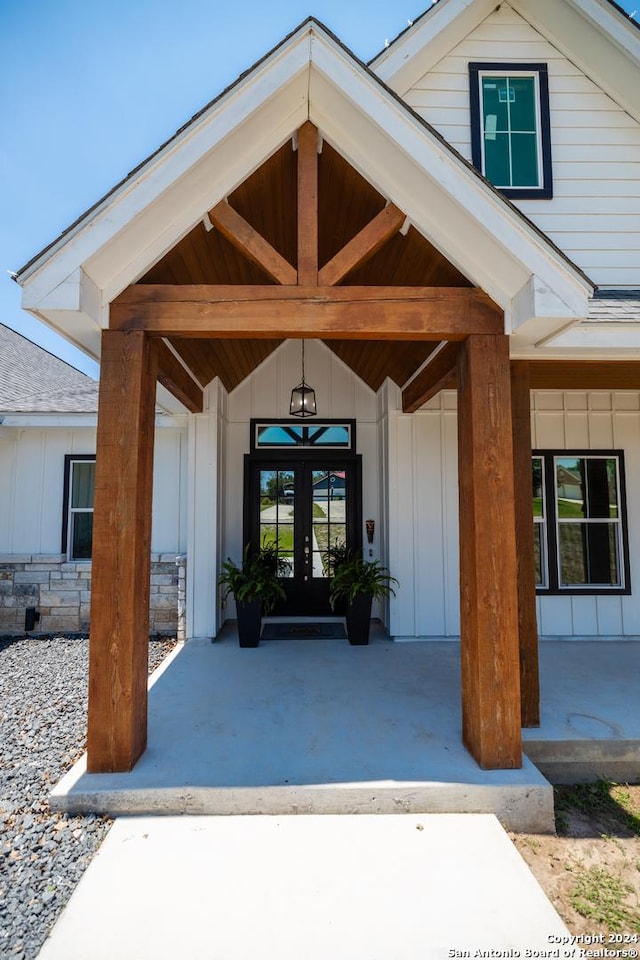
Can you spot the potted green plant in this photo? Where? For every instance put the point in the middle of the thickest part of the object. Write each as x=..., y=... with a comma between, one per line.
x=256, y=589
x=359, y=582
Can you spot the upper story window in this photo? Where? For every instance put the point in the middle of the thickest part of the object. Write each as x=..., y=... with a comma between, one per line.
x=510, y=130
x=77, y=524
x=579, y=516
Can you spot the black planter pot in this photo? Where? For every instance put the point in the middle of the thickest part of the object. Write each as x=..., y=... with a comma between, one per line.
x=359, y=619
x=249, y=622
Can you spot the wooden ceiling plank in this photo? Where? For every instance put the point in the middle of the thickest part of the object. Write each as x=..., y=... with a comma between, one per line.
x=308, y=204
x=439, y=374
x=585, y=375
x=251, y=243
x=176, y=379
x=363, y=246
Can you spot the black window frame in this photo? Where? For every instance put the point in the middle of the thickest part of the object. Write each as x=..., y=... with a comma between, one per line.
x=545, y=191
x=553, y=586
x=66, y=508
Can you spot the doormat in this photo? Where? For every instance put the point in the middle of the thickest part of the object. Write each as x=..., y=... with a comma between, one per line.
x=303, y=631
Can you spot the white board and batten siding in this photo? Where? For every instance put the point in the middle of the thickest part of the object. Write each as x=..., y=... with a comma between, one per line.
x=595, y=146
x=32, y=484
x=423, y=512
x=339, y=394
x=594, y=421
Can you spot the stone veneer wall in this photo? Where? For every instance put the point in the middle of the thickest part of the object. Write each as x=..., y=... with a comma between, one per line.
x=60, y=590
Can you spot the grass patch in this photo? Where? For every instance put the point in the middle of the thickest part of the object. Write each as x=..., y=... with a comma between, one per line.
x=610, y=802
x=600, y=897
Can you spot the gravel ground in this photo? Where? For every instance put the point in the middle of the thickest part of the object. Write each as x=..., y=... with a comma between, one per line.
x=43, y=694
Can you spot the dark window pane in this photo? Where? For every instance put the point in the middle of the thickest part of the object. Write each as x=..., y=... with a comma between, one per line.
x=522, y=104
x=496, y=159
x=338, y=535
x=524, y=160
x=537, y=550
x=587, y=487
x=495, y=103
x=601, y=488
x=81, y=535
x=537, y=491
x=589, y=554
x=82, y=484
x=570, y=487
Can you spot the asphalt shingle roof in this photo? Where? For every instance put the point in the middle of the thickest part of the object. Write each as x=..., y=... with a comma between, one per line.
x=615, y=306
x=32, y=380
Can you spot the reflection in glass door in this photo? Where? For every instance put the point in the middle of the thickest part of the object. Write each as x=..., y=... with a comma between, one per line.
x=278, y=515
x=305, y=508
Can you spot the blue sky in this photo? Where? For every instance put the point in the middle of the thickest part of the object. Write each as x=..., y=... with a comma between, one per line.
x=89, y=88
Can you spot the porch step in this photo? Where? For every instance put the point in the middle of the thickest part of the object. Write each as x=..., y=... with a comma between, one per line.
x=522, y=807
x=575, y=761
x=309, y=727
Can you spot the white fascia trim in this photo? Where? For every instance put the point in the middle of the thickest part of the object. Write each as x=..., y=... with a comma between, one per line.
x=612, y=22
x=175, y=160
x=66, y=420
x=76, y=292
x=451, y=174
x=69, y=420
x=601, y=42
x=614, y=338
x=419, y=49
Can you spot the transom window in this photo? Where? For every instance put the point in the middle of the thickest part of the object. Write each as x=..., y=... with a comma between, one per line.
x=580, y=534
x=285, y=435
x=510, y=130
x=77, y=527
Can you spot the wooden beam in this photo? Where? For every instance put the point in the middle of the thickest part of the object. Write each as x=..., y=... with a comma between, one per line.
x=367, y=313
x=490, y=669
x=120, y=575
x=176, y=379
x=160, y=293
x=527, y=620
x=251, y=243
x=585, y=375
x=308, y=204
x=440, y=373
x=363, y=246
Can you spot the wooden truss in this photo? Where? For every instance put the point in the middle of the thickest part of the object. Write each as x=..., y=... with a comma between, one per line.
x=312, y=300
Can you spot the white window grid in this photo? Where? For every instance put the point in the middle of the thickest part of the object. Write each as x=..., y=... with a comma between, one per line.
x=509, y=74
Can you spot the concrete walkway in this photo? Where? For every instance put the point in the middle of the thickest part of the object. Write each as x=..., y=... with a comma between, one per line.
x=305, y=888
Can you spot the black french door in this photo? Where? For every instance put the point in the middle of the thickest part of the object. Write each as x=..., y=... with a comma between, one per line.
x=305, y=506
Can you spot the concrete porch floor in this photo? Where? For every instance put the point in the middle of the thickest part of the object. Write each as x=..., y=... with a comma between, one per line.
x=317, y=726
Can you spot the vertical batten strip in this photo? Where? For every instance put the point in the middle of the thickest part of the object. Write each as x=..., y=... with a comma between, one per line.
x=527, y=620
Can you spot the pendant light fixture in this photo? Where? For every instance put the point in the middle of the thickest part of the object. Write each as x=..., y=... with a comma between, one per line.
x=303, y=398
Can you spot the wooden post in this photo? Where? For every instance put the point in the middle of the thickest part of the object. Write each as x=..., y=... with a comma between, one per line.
x=118, y=648
x=527, y=621
x=488, y=565
x=308, y=204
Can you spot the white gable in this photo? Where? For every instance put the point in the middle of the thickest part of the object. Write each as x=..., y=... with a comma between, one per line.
x=595, y=145
x=310, y=76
